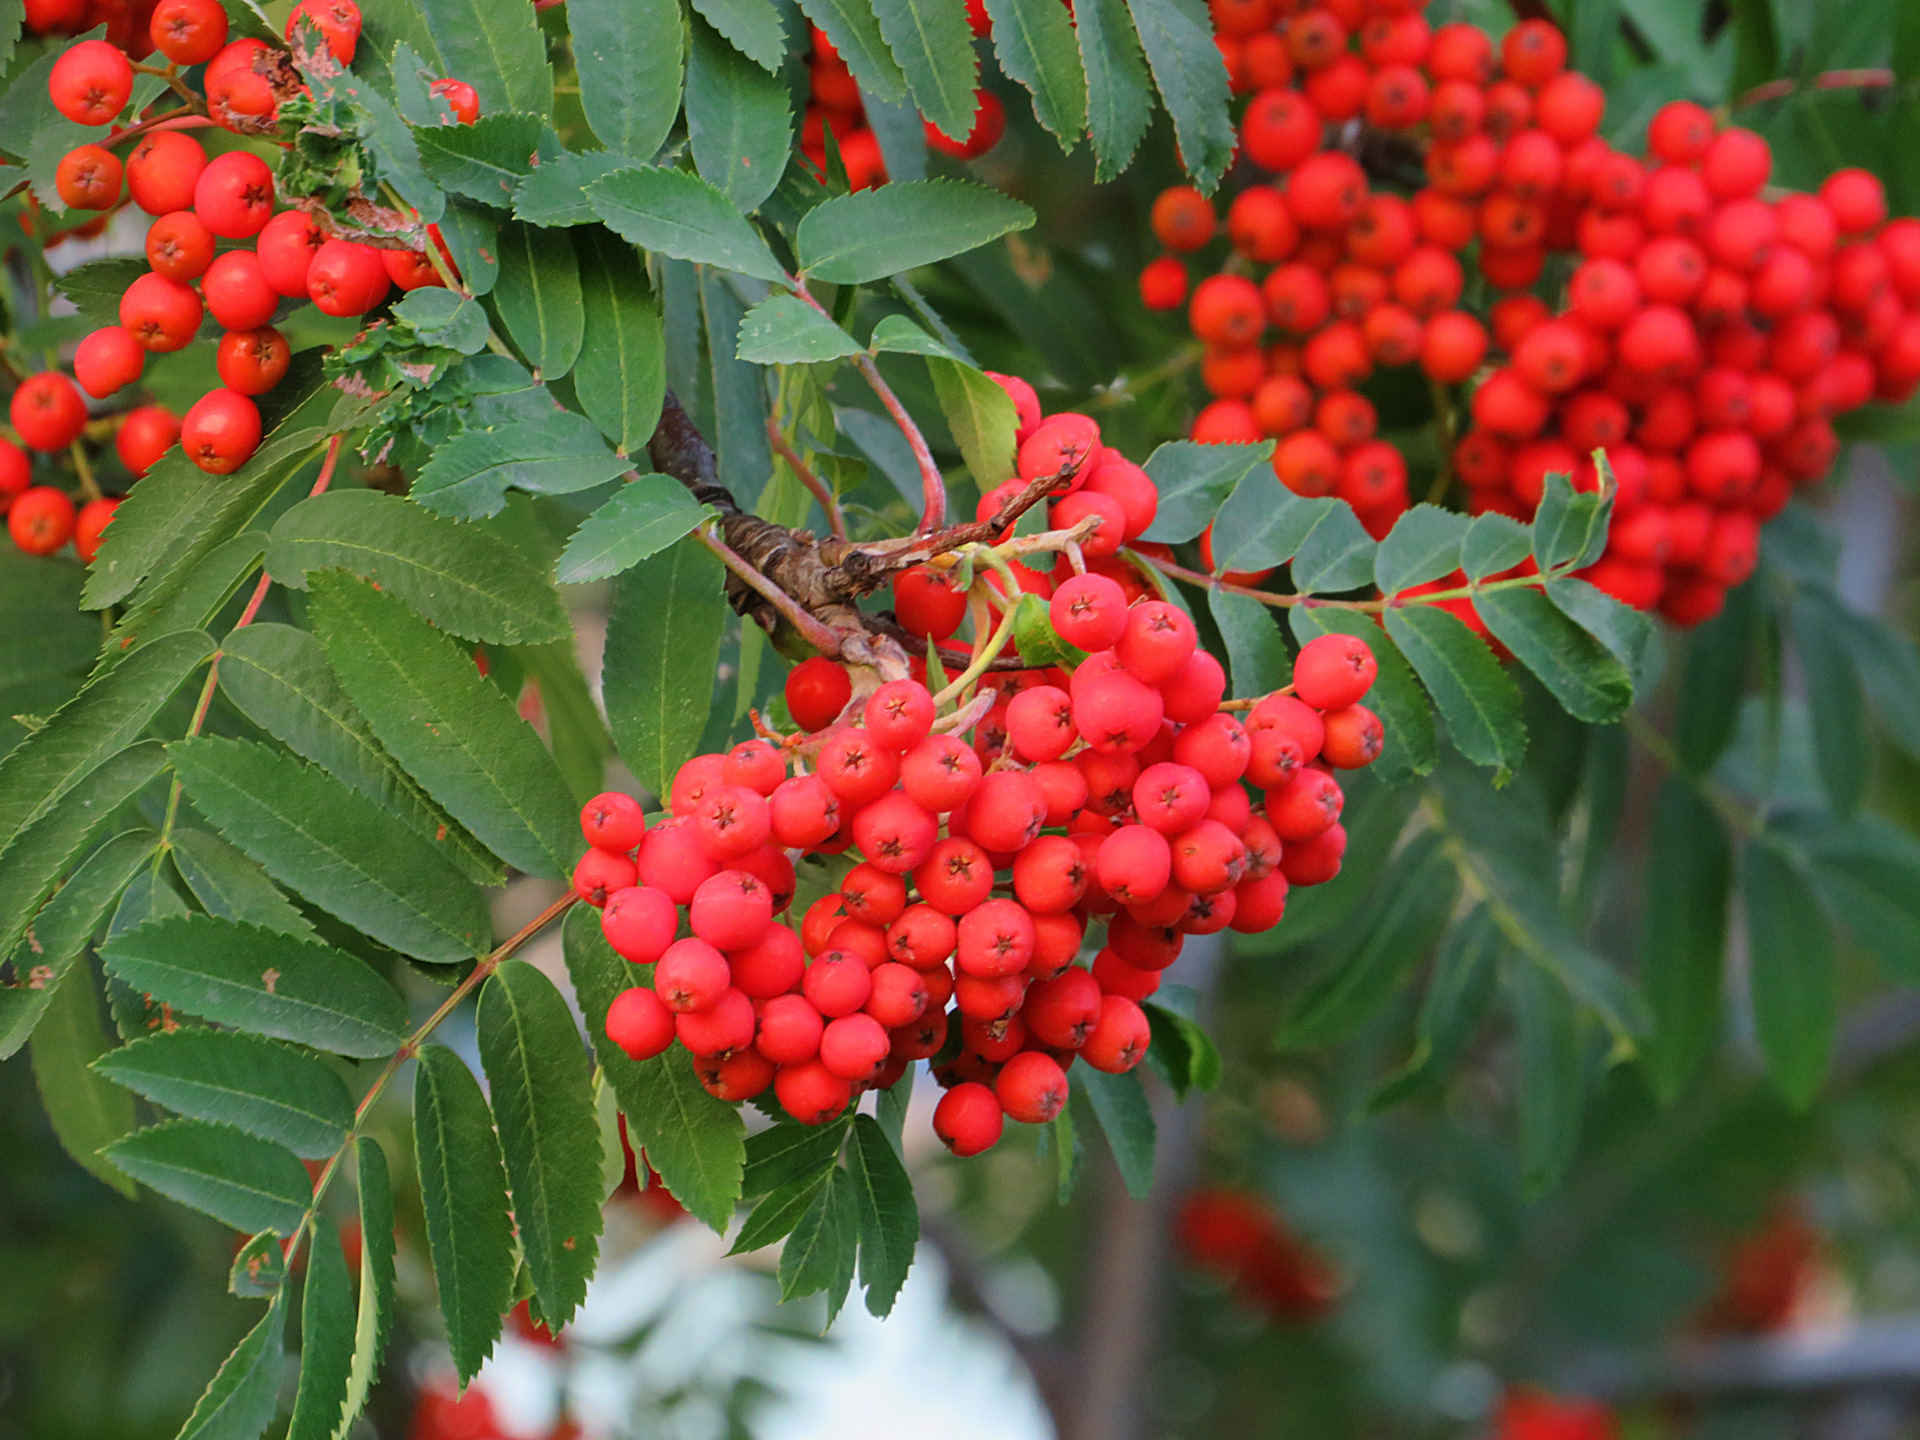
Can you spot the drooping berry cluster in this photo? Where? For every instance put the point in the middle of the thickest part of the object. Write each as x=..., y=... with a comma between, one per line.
x=993, y=841
x=1705, y=338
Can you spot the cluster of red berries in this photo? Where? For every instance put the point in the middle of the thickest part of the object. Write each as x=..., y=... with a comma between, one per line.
x=1117, y=800
x=1705, y=337
x=196, y=203
x=1240, y=1238
x=1529, y=1414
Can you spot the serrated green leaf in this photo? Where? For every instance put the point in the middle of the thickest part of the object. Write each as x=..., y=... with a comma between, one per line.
x=375, y=1314
x=1406, y=714
x=1034, y=41
x=1477, y=699
x=1337, y=555
x=1836, y=700
x=1177, y=37
x=243, y=1182
x=898, y=335
x=871, y=234
x=1566, y=523
x=1870, y=871
x=461, y=577
x=279, y=679
x=775, y=1217
x=643, y=517
x=663, y=646
x=1188, y=1058
x=1625, y=632
x=87, y=1113
x=484, y=161
x=1456, y=1000
x=395, y=154
x=334, y=846
x=555, y=452
x=1262, y=524
x=787, y=1152
x=1794, y=977
x=1194, y=481
x=1548, y=1090
x=441, y=317
x=751, y=26
x=819, y=1253
x=1126, y=1120
x=1690, y=865
x=496, y=49
x=628, y=55
x=456, y=733
x=556, y=192
x=95, y=288
x=1423, y=545
x=673, y=213
x=50, y=635
x=543, y=1108
x=982, y=418
x=739, y=119
x=1119, y=95
x=463, y=1190
x=889, y=1219
x=578, y=735
x=620, y=377
x=1256, y=654
x=468, y=229
x=326, y=1337
x=1577, y=669
x=933, y=44
x=240, y=1401
x=538, y=297
x=229, y=886
x=259, y=1086
x=260, y=1267
x=695, y=1142
x=855, y=33
x=1493, y=543
x=784, y=330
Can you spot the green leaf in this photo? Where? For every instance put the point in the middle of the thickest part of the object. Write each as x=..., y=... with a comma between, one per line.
x=1188, y=1059
x=279, y=679
x=981, y=416
x=578, y=735
x=1870, y=872
x=538, y=297
x=1423, y=545
x=673, y=213
x=1625, y=632
x=96, y=287
x=1493, y=543
x=555, y=452
x=50, y=637
x=934, y=45
x=556, y=192
x=739, y=117
x=463, y=1190
x=1708, y=709
x=889, y=1219
x=461, y=577
x=376, y=1277
x=1456, y=1000
x=774, y=1218
x=33, y=864
x=621, y=374
x=326, y=1337
x=855, y=33
x=64, y=928
x=1194, y=481
x=1177, y=36
x=194, y=599
x=261, y=981
x=779, y=1156
x=1034, y=40
x=395, y=154
x=259, y=1086
x=1410, y=907
x=1794, y=976
x=1577, y=669
x=336, y=847
x=448, y=725
x=1119, y=98
x=1691, y=867
x=1567, y=523
x=871, y=234
x=695, y=1142
x=260, y=1267
x=663, y=647
x=1405, y=713
x=751, y=26
x=1126, y=1120
x=738, y=391
x=497, y=49
x=1836, y=702
x=484, y=161
x=644, y=517
x=628, y=55
x=1477, y=699
x=231, y=887
x=1263, y=524
x=102, y=720
x=1036, y=639
x=1337, y=555
x=784, y=330
x=1256, y=654
x=1548, y=1087
x=819, y=1254
x=240, y=1401
x=243, y=1182
x=543, y=1107
x=468, y=229
x=87, y=1113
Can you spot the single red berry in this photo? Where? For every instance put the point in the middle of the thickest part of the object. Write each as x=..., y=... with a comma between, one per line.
x=220, y=431
x=338, y=22
x=146, y=434
x=639, y=923
x=599, y=873
x=47, y=411
x=179, y=246
x=461, y=99
x=88, y=178
x=163, y=171
x=234, y=195
x=161, y=314
x=252, y=361
x=817, y=690
x=41, y=520
x=91, y=83
x=236, y=293
x=106, y=360
x=188, y=32
x=1031, y=1087
x=639, y=1024
x=969, y=1119
x=346, y=277
x=94, y=518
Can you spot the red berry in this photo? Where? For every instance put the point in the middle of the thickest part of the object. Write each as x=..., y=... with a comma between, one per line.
x=1031, y=1087
x=338, y=22
x=346, y=278
x=145, y=435
x=161, y=314
x=252, y=361
x=837, y=983
x=817, y=691
x=41, y=520
x=599, y=874
x=47, y=411
x=106, y=360
x=91, y=83
x=188, y=32
x=461, y=99
x=721, y=1028
x=1119, y=1037
x=810, y=1093
x=234, y=195
x=1333, y=671
x=639, y=1024
x=163, y=171
x=804, y=812
x=88, y=178
x=691, y=975
x=969, y=1119
x=237, y=294
x=179, y=246
x=94, y=518
x=220, y=431
x=286, y=247
x=926, y=603
x=639, y=923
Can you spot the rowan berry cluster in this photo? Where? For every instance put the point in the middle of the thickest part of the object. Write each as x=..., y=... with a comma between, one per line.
x=216, y=247
x=1239, y=1237
x=1117, y=799
x=1704, y=339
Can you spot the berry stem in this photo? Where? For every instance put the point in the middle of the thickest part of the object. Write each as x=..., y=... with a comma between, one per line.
x=983, y=655
x=185, y=118
x=83, y=468
x=821, y=636
x=1443, y=416
x=1827, y=80
x=836, y=519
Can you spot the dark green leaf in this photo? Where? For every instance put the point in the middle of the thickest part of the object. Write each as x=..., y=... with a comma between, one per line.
x=326, y=1337
x=191, y=600
x=553, y=452
x=782, y=1154
x=643, y=518
x=1690, y=865
x=543, y=1106
x=1548, y=1086
x=1870, y=871
x=1566, y=523
x=242, y=1182
x=578, y=735
x=1477, y=699
x=784, y=330
x=1889, y=665
x=1835, y=700
x=461, y=577
x=1194, y=481
x=50, y=636
x=1708, y=709
x=738, y=390
x=1794, y=978
x=1625, y=632
x=229, y=886
x=1188, y=1058
x=556, y=192
x=1405, y=713
x=463, y=1190
x=261, y=981
x=663, y=647
x=855, y=33
x=677, y=214
x=1125, y=1119
x=260, y=1268
x=453, y=730
x=468, y=229
x=872, y=234
x=751, y=26
x=889, y=1219
x=628, y=55
x=1337, y=555
x=1119, y=98
x=934, y=46
x=484, y=161
x=538, y=297
x=1035, y=42
x=739, y=118
x=1456, y=1000
x=96, y=287
x=982, y=418
x=1423, y=545
x=620, y=376
x=1493, y=543
x=773, y=1219
x=819, y=1254
x=1256, y=654
x=376, y=1277
x=87, y=1113
x=259, y=1086
x=336, y=847
x=1177, y=36
x=240, y=1401
x=497, y=49
x=1577, y=669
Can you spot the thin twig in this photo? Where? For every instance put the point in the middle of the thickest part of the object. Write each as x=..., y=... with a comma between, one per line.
x=1870, y=79
x=821, y=636
x=836, y=520
x=81, y=467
